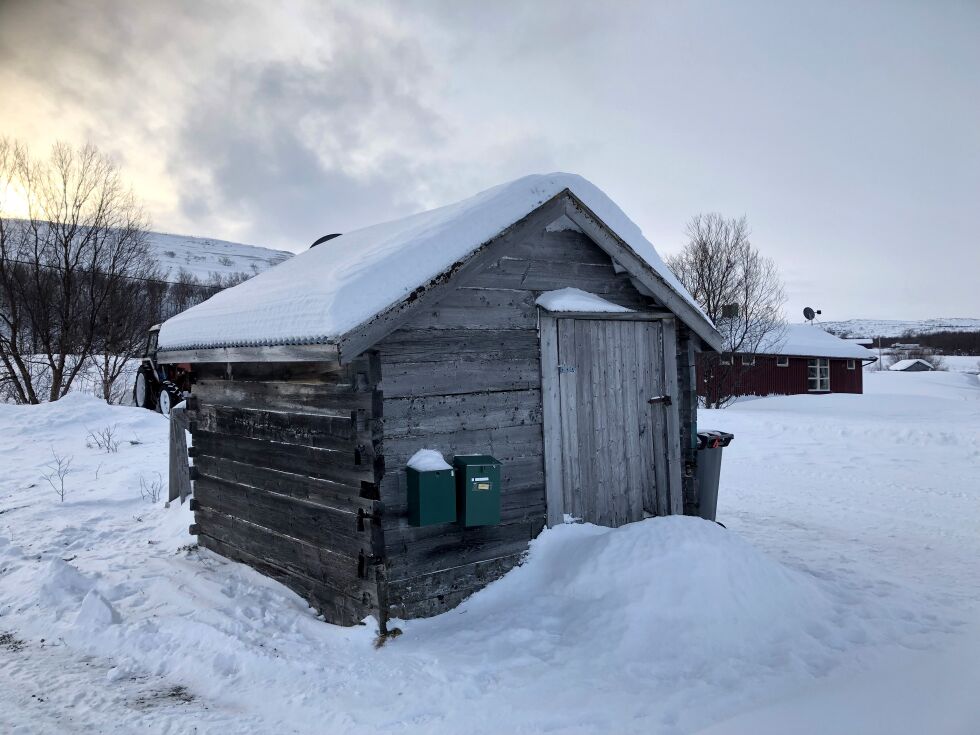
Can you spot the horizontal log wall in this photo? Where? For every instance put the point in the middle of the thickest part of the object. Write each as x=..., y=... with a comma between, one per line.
x=286, y=465
x=464, y=377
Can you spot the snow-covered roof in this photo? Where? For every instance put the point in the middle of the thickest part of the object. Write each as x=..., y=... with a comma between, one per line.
x=806, y=340
x=906, y=364
x=323, y=293
x=575, y=299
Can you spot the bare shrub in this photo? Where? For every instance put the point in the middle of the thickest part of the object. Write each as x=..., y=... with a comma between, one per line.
x=11, y=642
x=104, y=439
x=132, y=308
x=184, y=293
x=151, y=490
x=58, y=469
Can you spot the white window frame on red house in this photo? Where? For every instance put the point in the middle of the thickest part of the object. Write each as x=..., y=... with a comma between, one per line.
x=782, y=361
x=818, y=375
x=725, y=359
x=748, y=360
x=851, y=365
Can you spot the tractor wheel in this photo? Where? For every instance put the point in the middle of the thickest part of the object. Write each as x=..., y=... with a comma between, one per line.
x=169, y=397
x=143, y=390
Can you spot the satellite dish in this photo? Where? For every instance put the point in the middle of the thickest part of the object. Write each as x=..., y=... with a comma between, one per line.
x=809, y=314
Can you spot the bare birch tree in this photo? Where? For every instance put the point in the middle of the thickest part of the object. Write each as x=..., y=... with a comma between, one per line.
x=740, y=291
x=131, y=309
x=65, y=266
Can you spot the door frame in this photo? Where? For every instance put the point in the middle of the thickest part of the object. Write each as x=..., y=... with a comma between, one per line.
x=551, y=406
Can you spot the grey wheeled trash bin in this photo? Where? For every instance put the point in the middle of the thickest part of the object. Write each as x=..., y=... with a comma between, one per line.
x=710, y=445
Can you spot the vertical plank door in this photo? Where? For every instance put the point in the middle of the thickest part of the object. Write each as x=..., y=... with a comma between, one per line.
x=615, y=445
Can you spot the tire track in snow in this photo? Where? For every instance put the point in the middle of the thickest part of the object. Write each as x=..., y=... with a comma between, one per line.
x=49, y=688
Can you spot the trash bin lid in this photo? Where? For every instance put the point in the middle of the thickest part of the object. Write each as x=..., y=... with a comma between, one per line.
x=714, y=439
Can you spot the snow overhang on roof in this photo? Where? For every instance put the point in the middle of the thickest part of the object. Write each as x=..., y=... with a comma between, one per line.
x=577, y=300
x=324, y=294
x=805, y=340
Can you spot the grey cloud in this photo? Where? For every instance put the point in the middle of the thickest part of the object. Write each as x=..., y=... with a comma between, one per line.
x=847, y=136
x=279, y=135
x=281, y=142
x=260, y=133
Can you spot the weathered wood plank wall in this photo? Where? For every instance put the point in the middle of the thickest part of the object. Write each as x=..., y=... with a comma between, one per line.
x=286, y=465
x=465, y=377
x=179, y=473
x=687, y=390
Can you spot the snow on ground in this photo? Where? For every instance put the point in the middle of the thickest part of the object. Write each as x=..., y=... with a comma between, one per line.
x=847, y=574
x=962, y=363
x=880, y=493
x=202, y=256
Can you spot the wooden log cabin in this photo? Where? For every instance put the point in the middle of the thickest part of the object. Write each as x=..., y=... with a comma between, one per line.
x=532, y=323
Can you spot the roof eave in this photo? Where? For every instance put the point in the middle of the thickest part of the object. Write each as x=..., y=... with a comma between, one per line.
x=326, y=352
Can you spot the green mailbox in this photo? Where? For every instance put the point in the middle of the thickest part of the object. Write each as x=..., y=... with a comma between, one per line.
x=431, y=496
x=477, y=489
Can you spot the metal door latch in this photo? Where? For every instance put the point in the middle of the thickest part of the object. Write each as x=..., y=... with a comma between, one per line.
x=566, y=369
x=660, y=399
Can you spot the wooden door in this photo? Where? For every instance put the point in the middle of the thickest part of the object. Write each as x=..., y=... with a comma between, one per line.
x=618, y=458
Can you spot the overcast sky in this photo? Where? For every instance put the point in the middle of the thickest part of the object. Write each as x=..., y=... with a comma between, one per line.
x=848, y=133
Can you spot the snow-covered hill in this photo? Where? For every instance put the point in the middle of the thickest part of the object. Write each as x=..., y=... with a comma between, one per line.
x=898, y=327
x=202, y=256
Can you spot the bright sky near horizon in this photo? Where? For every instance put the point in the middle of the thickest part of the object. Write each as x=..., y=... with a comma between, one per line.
x=849, y=134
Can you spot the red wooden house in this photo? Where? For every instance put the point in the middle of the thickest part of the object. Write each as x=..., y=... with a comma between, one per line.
x=802, y=359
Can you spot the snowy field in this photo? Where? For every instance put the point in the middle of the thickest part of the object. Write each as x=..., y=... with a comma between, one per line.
x=962, y=363
x=843, y=597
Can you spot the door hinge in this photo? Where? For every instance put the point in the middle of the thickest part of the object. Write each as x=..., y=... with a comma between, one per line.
x=665, y=400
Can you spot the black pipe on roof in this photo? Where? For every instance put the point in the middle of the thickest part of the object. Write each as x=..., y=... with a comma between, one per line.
x=324, y=239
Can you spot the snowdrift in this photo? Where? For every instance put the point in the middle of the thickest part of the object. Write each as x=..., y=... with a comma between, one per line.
x=676, y=599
